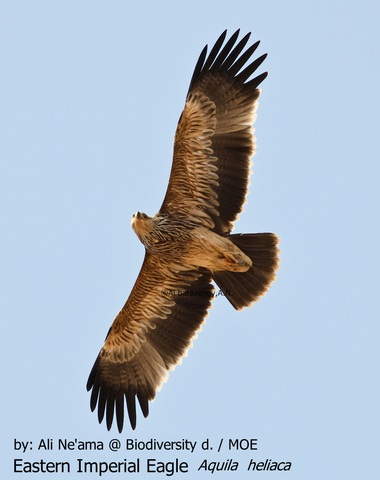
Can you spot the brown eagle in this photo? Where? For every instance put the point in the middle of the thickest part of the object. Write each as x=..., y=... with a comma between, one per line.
x=188, y=243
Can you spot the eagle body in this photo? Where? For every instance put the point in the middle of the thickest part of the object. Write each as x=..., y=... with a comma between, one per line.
x=189, y=244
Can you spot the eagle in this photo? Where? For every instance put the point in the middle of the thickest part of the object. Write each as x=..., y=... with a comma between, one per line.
x=188, y=244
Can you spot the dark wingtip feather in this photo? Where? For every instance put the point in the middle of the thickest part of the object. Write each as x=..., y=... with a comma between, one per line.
x=110, y=409
x=247, y=72
x=120, y=410
x=131, y=407
x=91, y=377
x=225, y=51
x=233, y=55
x=205, y=61
x=198, y=66
x=255, y=82
x=243, y=59
x=144, y=405
x=102, y=400
x=94, y=397
x=214, y=51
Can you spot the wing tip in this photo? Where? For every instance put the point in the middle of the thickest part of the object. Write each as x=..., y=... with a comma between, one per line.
x=229, y=58
x=110, y=404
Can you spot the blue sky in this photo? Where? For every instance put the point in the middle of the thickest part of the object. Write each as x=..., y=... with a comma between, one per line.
x=90, y=94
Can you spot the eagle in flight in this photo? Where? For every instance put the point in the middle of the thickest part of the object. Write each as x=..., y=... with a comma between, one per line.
x=188, y=243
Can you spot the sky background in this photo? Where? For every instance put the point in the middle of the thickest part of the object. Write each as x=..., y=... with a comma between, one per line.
x=90, y=95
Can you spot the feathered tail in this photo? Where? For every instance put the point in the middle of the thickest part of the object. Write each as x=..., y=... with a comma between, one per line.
x=244, y=288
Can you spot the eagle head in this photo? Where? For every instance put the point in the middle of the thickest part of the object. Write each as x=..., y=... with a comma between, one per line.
x=142, y=225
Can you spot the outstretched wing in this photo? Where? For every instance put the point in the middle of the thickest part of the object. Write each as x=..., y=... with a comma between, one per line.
x=215, y=141
x=148, y=338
